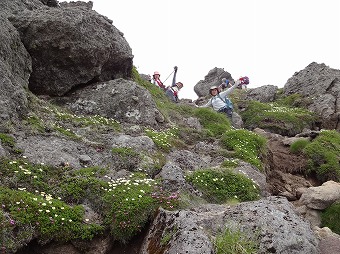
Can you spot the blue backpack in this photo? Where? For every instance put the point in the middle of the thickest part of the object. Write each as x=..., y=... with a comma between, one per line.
x=227, y=101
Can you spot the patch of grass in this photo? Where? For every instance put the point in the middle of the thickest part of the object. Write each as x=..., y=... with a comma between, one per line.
x=248, y=146
x=235, y=241
x=299, y=145
x=125, y=158
x=52, y=218
x=7, y=140
x=66, y=132
x=230, y=163
x=324, y=155
x=168, y=235
x=293, y=100
x=162, y=139
x=35, y=122
x=215, y=124
x=127, y=198
x=330, y=217
x=31, y=189
x=223, y=186
x=278, y=118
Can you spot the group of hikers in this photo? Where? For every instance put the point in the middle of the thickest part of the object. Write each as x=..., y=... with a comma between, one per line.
x=219, y=100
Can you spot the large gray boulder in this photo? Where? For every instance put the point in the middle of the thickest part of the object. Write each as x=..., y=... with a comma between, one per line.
x=321, y=86
x=15, y=68
x=72, y=46
x=263, y=94
x=213, y=78
x=56, y=151
x=119, y=99
x=271, y=222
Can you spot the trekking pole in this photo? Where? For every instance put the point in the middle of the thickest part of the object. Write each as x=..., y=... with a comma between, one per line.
x=168, y=76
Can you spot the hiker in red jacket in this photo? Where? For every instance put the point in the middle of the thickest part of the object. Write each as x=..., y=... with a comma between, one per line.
x=156, y=80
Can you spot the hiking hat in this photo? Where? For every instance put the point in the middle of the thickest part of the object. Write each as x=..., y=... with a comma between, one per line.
x=213, y=88
x=156, y=73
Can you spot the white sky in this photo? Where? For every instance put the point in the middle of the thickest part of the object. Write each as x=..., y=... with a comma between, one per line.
x=266, y=40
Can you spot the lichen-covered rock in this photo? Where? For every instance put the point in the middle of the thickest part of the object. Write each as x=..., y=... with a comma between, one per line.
x=120, y=99
x=270, y=222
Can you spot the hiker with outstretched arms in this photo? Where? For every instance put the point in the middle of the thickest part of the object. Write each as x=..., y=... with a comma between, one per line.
x=172, y=91
x=220, y=101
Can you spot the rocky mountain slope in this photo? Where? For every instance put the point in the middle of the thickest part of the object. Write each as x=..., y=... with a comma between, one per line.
x=94, y=159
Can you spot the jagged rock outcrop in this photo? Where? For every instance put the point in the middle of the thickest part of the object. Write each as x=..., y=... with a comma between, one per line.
x=213, y=78
x=321, y=85
x=70, y=47
x=270, y=221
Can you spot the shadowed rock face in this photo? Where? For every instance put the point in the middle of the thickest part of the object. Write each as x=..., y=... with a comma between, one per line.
x=15, y=67
x=71, y=46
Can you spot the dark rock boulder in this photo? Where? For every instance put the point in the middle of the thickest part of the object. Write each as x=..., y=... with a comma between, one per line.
x=70, y=47
x=120, y=99
x=15, y=68
x=213, y=78
x=321, y=85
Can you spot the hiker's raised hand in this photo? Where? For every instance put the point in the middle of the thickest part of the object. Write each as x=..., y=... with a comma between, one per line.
x=175, y=68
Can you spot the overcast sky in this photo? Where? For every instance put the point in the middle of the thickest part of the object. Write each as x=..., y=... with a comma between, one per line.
x=266, y=40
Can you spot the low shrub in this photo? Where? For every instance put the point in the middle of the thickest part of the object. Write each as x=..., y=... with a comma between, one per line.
x=223, y=186
x=323, y=155
x=214, y=123
x=330, y=218
x=281, y=119
x=247, y=145
x=299, y=145
x=127, y=198
x=162, y=139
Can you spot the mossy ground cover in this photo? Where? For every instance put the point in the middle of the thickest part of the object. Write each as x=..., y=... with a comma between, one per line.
x=330, y=217
x=49, y=199
x=214, y=124
x=324, y=155
x=247, y=146
x=222, y=186
x=279, y=118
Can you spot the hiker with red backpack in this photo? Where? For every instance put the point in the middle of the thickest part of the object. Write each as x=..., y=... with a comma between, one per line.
x=157, y=81
x=172, y=91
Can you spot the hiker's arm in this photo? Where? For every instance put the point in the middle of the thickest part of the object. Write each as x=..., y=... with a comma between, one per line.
x=229, y=90
x=208, y=104
x=174, y=77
